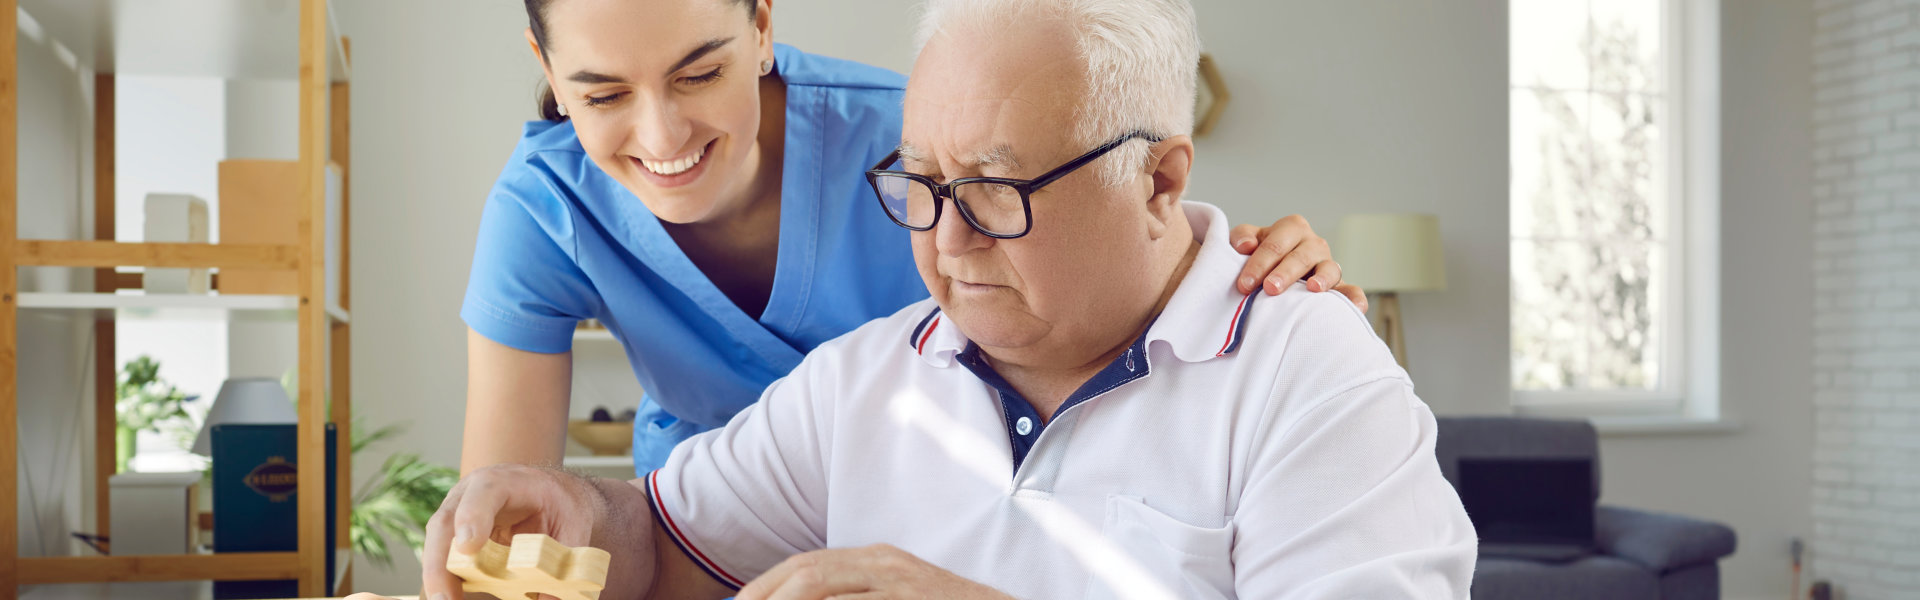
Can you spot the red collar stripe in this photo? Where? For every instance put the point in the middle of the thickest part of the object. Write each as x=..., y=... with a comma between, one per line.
x=1237, y=327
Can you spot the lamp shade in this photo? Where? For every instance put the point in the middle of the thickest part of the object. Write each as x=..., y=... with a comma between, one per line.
x=1391, y=252
x=245, y=401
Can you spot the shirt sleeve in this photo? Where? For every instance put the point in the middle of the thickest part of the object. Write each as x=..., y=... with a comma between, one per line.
x=1349, y=502
x=740, y=499
x=526, y=291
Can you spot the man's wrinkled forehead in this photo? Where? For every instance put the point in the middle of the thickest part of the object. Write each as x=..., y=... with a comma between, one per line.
x=996, y=155
x=977, y=102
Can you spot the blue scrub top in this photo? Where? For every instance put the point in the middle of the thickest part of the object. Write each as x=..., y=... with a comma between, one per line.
x=561, y=241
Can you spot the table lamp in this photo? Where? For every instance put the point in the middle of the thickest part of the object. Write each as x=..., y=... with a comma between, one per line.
x=249, y=401
x=1387, y=254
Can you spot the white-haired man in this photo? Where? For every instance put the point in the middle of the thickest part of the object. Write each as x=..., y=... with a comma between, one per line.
x=1077, y=412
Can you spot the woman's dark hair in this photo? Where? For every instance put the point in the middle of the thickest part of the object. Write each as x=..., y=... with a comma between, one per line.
x=548, y=106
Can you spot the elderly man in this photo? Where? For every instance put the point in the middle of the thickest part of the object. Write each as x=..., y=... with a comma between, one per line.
x=1077, y=412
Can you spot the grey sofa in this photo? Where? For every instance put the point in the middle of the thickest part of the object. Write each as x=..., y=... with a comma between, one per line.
x=1641, y=554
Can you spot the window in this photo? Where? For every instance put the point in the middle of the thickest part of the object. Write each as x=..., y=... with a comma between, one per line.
x=1612, y=206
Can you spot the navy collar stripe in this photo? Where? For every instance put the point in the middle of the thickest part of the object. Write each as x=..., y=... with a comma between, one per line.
x=1237, y=329
x=921, y=348
x=916, y=340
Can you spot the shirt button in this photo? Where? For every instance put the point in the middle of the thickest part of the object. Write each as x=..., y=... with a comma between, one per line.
x=1023, y=426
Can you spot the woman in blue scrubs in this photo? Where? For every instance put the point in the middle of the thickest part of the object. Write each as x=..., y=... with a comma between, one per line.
x=699, y=189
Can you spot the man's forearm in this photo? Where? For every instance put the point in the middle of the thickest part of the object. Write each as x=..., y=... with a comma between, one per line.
x=646, y=563
x=625, y=530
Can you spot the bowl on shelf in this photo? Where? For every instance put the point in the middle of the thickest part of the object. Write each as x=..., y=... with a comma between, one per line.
x=603, y=438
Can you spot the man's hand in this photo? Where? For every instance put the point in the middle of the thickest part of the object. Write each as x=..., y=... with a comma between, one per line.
x=502, y=500
x=1285, y=252
x=871, y=573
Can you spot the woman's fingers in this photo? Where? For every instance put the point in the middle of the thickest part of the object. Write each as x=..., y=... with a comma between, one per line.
x=1326, y=276
x=1268, y=260
x=1293, y=267
x=1244, y=237
x=1354, y=293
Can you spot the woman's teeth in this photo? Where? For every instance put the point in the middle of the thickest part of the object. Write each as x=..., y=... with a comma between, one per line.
x=674, y=167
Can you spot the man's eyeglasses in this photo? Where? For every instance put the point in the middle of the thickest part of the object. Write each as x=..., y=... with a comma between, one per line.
x=997, y=207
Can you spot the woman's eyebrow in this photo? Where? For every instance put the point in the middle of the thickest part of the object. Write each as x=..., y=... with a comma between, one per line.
x=703, y=50
x=590, y=77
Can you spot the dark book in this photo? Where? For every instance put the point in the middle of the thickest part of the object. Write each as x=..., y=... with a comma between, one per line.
x=256, y=501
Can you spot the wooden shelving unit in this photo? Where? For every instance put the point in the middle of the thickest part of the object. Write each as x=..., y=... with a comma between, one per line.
x=230, y=39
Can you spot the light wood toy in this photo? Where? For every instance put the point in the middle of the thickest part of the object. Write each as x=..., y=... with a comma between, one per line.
x=535, y=564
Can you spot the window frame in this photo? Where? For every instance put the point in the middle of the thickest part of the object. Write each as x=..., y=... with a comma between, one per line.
x=1689, y=360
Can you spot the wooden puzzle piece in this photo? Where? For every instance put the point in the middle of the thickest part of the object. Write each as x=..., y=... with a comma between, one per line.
x=535, y=564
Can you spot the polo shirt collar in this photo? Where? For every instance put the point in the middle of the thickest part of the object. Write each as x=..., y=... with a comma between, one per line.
x=1207, y=316
x=1205, y=319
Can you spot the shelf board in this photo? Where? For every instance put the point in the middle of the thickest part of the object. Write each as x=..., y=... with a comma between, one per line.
x=227, y=39
x=170, y=306
x=590, y=462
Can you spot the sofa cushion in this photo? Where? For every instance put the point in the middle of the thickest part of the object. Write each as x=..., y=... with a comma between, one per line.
x=1590, y=578
x=1513, y=437
x=1659, y=541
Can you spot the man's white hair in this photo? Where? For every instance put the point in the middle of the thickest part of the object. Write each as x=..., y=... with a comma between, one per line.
x=1141, y=58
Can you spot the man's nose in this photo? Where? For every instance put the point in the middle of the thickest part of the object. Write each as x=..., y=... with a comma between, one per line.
x=952, y=236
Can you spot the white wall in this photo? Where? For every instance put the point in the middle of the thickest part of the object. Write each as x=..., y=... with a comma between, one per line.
x=1338, y=107
x=439, y=92
x=1866, y=493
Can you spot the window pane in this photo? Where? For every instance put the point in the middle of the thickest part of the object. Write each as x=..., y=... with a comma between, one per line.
x=1551, y=314
x=1591, y=207
x=1624, y=352
x=1625, y=197
x=1544, y=38
x=1588, y=316
x=1625, y=47
x=1549, y=162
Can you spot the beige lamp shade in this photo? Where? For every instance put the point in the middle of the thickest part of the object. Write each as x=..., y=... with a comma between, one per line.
x=1391, y=252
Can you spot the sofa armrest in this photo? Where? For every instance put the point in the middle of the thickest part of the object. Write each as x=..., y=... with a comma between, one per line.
x=1661, y=542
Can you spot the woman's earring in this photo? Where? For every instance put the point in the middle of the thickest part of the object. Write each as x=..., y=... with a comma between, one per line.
x=561, y=107
x=766, y=66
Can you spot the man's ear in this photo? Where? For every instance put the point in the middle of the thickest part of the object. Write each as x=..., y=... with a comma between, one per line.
x=1170, y=163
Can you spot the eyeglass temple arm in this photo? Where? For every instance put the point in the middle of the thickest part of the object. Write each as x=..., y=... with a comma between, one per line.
x=1095, y=154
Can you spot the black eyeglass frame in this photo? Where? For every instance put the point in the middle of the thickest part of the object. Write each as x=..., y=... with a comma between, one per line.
x=1026, y=187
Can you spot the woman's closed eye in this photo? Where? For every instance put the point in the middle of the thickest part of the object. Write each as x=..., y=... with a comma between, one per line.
x=703, y=78
x=598, y=101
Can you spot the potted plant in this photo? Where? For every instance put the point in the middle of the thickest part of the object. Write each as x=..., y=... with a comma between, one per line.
x=146, y=402
x=396, y=502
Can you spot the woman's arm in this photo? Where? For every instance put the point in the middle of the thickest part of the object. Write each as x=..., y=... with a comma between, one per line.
x=516, y=405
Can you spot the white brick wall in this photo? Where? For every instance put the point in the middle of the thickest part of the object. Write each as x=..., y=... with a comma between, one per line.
x=1866, y=491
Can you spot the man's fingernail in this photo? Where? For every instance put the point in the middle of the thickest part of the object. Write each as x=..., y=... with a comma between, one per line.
x=1246, y=282
x=1243, y=244
x=439, y=596
x=465, y=533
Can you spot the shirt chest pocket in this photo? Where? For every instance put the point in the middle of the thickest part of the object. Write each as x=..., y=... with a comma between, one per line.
x=1163, y=557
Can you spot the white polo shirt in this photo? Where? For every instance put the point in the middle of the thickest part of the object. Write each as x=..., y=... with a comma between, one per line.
x=1245, y=446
